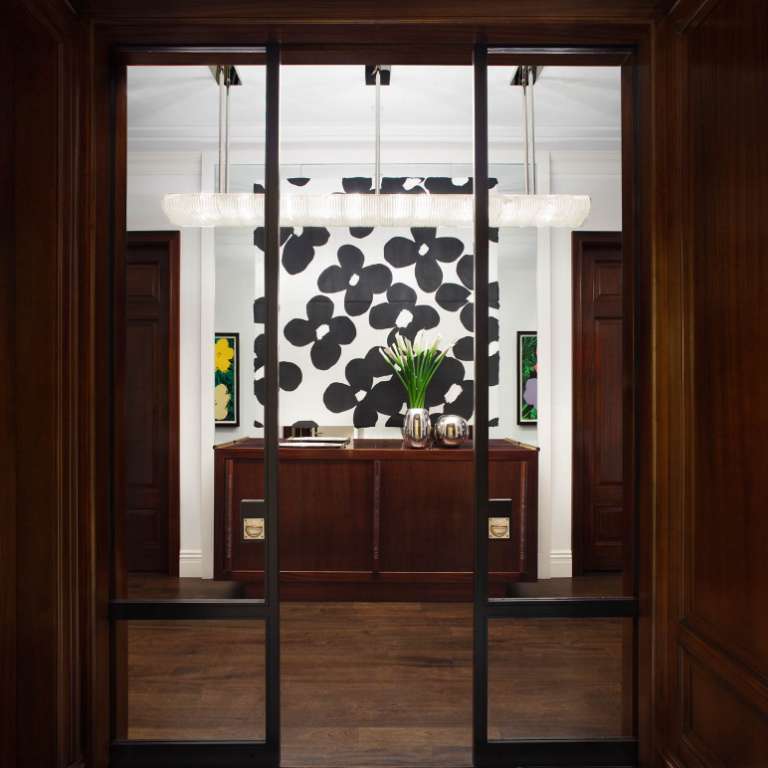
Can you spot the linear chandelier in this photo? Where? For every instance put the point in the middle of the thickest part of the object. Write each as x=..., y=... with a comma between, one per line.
x=246, y=209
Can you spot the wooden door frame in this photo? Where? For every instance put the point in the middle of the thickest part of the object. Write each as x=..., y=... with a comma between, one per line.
x=171, y=239
x=578, y=487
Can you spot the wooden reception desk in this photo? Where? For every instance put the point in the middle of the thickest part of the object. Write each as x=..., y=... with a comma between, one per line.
x=375, y=521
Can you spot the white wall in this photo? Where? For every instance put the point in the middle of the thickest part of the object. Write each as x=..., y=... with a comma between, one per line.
x=517, y=312
x=239, y=278
x=597, y=174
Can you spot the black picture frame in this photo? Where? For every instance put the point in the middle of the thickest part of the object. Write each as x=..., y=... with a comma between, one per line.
x=522, y=418
x=230, y=380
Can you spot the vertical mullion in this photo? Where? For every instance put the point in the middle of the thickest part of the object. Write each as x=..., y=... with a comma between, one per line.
x=271, y=283
x=480, y=188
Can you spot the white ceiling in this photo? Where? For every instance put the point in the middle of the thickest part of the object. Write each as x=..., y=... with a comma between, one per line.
x=575, y=107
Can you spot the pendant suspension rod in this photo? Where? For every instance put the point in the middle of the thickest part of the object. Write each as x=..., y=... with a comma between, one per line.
x=226, y=138
x=533, y=135
x=377, y=169
x=223, y=129
x=525, y=135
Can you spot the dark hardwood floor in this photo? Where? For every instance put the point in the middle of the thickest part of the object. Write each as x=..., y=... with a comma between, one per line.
x=371, y=684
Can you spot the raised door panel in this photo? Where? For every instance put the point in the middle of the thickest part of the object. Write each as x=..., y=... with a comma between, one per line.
x=720, y=727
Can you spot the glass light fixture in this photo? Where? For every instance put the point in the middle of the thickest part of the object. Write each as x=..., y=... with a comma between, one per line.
x=246, y=209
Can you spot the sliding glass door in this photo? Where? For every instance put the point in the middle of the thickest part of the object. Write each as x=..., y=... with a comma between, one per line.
x=294, y=280
x=196, y=660
x=554, y=656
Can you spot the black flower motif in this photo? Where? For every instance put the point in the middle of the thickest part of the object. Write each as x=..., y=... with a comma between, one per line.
x=298, y=245
x=464, y=348
x=448, y=185
x=453, y=297
x=289, y=375
x=449, y=375
x=323, y=331
x=360, y=394
x=425, y=251
x=359, y=282
x=390, y=185
x=461, y=402
x=260, y=311
x=402, y=314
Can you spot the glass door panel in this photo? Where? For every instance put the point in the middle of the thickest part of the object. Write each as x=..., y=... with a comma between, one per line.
x=376, y=535
x=559, y=679
x=182, y=687
x=554, y=640
x=195, y=642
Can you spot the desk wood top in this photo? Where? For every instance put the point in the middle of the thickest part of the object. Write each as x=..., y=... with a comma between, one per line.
x=378, y=449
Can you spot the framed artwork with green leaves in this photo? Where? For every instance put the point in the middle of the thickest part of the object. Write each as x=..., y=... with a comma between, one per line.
x=227, y=379
x=527, y=378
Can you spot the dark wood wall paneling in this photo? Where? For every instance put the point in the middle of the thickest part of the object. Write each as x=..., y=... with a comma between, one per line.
x=7, y=420
x=43, y=644
x=712, y=384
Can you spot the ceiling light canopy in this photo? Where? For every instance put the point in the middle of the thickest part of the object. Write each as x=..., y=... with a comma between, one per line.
x=246, y=209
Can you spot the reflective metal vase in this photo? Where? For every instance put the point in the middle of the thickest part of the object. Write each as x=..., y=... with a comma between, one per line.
x=416, y=428
x=451, y=431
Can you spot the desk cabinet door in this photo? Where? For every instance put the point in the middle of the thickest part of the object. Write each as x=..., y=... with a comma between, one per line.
x=426, y=516
x=326, y=515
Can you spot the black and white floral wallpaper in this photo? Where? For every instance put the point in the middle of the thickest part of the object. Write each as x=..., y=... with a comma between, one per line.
x=344, y=292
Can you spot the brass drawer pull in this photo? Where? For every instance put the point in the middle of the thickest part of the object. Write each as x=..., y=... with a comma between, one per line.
x=253, y=528
x=498, y=527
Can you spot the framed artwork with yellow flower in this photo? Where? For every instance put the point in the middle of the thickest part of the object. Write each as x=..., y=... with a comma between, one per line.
x=227, y=379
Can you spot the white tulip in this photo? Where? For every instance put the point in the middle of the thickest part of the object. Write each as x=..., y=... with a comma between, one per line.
x=418, y=346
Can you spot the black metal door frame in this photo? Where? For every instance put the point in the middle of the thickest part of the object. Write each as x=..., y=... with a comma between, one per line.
x=224, y=754
x=522, y=752
x=266, y=753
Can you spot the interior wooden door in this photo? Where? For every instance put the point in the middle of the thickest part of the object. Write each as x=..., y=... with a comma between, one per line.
x=598, y=333
x=151, y=448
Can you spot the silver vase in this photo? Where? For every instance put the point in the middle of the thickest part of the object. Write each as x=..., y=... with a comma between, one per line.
x=416, y=428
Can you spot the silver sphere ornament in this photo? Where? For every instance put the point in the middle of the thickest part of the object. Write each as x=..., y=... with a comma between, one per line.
x=451, y=431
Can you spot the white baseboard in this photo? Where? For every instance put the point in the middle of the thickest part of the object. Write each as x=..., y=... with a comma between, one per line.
x=190, y=562
x=560, y=563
